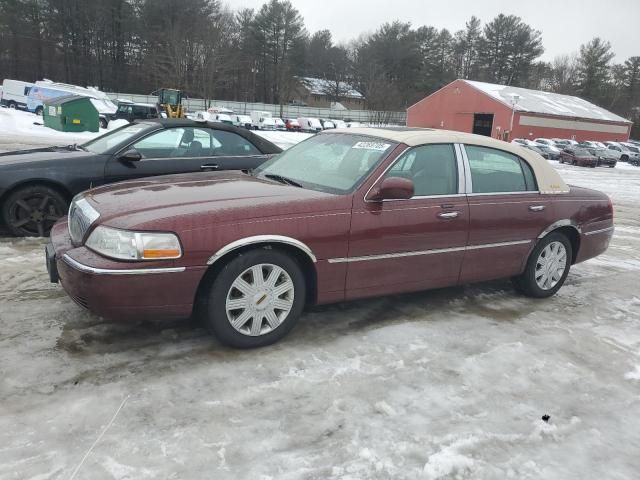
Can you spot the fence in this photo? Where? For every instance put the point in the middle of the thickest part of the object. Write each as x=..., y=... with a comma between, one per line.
x=288, y=111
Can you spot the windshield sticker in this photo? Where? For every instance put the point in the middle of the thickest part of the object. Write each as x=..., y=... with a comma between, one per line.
x=381, y=147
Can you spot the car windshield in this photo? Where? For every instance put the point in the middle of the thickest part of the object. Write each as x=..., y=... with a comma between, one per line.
x=333, y=163
x=582, y=152
x=106, y=142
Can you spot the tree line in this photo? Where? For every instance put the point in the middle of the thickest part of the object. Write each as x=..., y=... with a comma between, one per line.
x=210, y=50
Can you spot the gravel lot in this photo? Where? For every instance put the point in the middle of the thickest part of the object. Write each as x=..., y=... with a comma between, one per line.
x=444, y=384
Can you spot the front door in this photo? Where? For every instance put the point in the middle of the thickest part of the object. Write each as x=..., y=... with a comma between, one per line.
x=415, y=244
x=185, y=149
x=506, y=212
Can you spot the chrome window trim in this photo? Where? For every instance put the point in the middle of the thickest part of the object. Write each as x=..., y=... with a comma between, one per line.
x=107, y=271
x=602, y=230
x=257, y=239
x=532, y=192
x=462, y=172
x=386, y=256
x=467, y=169
x=460, y=193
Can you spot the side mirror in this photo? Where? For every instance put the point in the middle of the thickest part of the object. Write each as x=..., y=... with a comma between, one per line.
x=130, y=156
x=393, y=188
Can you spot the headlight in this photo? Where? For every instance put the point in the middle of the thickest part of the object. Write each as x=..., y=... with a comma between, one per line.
x=126, y=245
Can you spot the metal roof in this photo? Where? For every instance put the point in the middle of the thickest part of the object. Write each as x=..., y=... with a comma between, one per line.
x=537, y=101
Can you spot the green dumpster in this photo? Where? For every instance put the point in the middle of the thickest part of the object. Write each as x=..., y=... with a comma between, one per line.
x=71, y=113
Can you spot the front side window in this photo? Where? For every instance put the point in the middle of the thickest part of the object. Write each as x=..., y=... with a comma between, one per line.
x=175, y=143
x=333, y=163
x=432, y=168
x=497, y=171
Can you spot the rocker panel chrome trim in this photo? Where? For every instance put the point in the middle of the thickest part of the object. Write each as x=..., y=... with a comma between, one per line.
x=386, y=256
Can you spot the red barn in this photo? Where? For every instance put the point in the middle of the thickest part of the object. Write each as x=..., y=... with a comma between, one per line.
x=509, y=112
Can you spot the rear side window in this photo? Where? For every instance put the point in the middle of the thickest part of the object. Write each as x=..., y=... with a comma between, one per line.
x=229, y=143
x=497, y=171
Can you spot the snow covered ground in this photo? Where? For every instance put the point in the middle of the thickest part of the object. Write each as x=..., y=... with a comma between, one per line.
x=20, y=129
x=448, y=384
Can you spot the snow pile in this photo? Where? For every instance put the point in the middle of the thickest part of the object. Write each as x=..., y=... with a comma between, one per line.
x=18, y=127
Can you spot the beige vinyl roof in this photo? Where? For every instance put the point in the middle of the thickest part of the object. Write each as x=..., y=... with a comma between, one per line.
x=549, y=181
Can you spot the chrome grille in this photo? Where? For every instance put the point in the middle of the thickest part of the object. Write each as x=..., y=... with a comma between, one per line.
x=81, y=216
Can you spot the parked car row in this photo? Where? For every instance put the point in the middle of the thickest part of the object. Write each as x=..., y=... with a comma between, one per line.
x=325, y=221
x=584, y=153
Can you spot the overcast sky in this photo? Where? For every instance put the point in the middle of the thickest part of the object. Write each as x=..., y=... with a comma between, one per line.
x=565, y=24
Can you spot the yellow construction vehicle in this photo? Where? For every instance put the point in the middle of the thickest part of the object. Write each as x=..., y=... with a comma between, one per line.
x=170, y=101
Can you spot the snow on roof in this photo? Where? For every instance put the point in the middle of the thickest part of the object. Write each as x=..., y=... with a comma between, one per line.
x=320, y=86
x=537, y=101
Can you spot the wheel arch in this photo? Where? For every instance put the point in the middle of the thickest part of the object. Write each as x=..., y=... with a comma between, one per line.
x=296, y=249
x=570, y=230
x=60, y=188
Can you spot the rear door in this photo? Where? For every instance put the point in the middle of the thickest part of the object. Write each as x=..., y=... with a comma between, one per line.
x=506, y=211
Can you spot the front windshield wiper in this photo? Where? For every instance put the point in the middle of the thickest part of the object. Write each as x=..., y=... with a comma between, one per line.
x=281, y=179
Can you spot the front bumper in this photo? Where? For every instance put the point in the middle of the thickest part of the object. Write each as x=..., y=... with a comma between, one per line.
x=608, y=162
x=120, y=290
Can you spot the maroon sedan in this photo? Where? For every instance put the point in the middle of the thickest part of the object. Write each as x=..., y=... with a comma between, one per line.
x=343, y=215
x=578, y=156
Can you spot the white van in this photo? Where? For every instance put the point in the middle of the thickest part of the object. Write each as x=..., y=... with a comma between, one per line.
x=46, y=89
x=260, y=122
x=14, y=93
x=311, y=125
x=243, y=121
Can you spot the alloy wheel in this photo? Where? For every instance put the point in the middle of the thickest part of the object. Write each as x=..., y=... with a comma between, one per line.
x=259, y=299
x=35, y=214
x=551, y=265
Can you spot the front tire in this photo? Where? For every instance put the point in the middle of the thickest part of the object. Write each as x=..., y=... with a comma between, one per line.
x=39, y=111
x=547, y=267
x=103, y=123
x=31, y=211
x=256, y=299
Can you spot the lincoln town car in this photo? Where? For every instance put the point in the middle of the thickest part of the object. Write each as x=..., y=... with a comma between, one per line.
x=344, y=215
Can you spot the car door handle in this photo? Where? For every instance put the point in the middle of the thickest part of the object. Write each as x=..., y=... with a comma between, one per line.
x=447, y=215
x=213, y=166
x=536, y=208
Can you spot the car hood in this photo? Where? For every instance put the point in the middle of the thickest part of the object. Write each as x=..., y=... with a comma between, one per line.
x=190, y=201
x=47, y=154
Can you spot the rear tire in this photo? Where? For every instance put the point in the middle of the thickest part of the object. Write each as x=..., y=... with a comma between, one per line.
x=12, y=105
x=256, y=299
x=624, y=158
x=39, y=111
x=31, y=211
x=103, y=123
x=547, y=267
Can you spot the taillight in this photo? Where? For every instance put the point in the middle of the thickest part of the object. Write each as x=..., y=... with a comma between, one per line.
x=611, y=207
